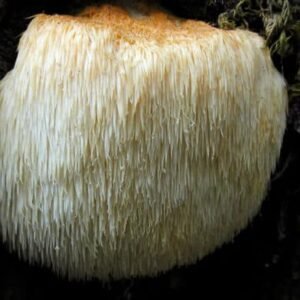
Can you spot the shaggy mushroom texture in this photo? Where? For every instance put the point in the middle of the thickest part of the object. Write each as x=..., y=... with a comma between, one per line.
x=131, y=143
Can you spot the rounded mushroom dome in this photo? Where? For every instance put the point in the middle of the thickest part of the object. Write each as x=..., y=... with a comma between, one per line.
x=134, y=142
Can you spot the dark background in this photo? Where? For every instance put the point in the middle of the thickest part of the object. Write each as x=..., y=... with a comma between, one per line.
x=263, y=262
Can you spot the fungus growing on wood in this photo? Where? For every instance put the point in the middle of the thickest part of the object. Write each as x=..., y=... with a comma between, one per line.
x=133, y=143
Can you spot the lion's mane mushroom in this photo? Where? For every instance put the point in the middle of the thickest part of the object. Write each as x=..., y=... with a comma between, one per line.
x=131, y=144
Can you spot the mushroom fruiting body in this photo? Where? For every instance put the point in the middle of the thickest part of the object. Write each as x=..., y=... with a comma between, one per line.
x=134, y=143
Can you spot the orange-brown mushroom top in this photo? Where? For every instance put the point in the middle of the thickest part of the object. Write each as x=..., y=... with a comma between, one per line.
x=132, y=25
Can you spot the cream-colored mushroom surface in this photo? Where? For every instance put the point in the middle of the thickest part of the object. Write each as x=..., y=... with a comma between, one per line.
x=133, y=143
